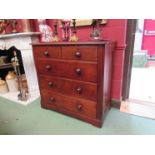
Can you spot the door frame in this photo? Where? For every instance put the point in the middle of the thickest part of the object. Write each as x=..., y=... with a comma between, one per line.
x=130, y=38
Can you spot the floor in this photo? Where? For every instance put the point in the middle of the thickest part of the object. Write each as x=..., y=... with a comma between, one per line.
x=141, y=100
x=143, y=84
x=140, y=108
x=16, y=119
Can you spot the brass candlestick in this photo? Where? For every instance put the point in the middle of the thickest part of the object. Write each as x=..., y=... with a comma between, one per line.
x=96, y=32
x=13, y=24
x=65, y=29
x=3, y=25
x=55, y=33
x=74, y=37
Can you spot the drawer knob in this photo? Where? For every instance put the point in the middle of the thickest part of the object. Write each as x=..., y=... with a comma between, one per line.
x=51, y=99
x=80, y=107
x=46, y=53
x=77, y=54
x=48, y=67
x=50, y=84
x=78, y=71
x=79, y=90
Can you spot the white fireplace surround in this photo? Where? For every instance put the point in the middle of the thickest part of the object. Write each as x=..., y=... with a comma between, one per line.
x=22, y=41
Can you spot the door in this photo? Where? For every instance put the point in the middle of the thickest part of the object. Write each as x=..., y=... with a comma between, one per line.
x=139, y=72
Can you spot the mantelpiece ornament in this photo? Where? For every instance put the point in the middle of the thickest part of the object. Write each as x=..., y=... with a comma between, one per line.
x=74, y=36
x=3, y=25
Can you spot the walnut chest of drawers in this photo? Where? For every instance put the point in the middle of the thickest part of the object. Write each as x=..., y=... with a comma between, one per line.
x=75, y=78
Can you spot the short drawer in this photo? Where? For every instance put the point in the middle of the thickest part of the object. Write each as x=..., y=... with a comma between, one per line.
x=47, y=52
x=80, y=106
x=83, y=71
x=86, y=53
x=87, y=90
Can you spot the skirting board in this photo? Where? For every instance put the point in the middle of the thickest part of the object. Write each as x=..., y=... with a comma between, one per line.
x=116, y=103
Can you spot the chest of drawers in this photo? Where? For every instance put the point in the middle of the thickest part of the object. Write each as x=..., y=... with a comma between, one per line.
x=75, y=78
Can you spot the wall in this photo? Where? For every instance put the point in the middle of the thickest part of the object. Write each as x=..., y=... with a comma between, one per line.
x=114, y=30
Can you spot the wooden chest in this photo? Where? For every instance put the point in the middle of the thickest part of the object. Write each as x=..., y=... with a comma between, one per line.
x=75, y=78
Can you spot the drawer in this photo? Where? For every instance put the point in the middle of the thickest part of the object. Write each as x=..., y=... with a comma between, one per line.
x=82, y=107
x=87, y=90
x=71, y=104
x=49, y=100
x=47, y=52
x=80, y=53
x=84, y=71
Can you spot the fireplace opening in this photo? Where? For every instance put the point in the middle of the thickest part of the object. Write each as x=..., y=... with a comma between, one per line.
x=7, y=56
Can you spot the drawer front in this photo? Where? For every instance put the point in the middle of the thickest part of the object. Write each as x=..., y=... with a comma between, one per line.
x=76, y=105
x=49, y=100
x=73, y=69
x=80, y=53
x=47, y=52
x=80, y=89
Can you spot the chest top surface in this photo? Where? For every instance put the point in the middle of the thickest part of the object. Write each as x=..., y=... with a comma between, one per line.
x=74, y=43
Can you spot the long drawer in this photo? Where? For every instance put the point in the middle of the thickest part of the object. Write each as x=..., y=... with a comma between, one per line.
x=86, y=71
x=80, y=106
x=87, y=90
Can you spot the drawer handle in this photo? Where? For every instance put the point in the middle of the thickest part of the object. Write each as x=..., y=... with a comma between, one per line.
x=77, y=54
x=79, y=90
x=46, y=53
x=48, y=67
x=80, y=107
x=50, y=84
x=51, y=99
x=78, y=71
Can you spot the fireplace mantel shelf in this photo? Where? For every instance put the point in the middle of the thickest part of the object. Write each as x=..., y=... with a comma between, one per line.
x=23, y=34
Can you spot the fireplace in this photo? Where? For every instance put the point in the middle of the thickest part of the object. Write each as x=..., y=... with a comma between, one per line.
x=21, y=43
x=7, y=66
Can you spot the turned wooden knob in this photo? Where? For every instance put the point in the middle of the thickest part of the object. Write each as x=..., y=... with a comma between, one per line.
x=48, y=67
x=78, y=71
x=79, y=90
x=79, y=107
x=46, y=53
x=51, y=99
x=77, y=54
x=50, y=84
